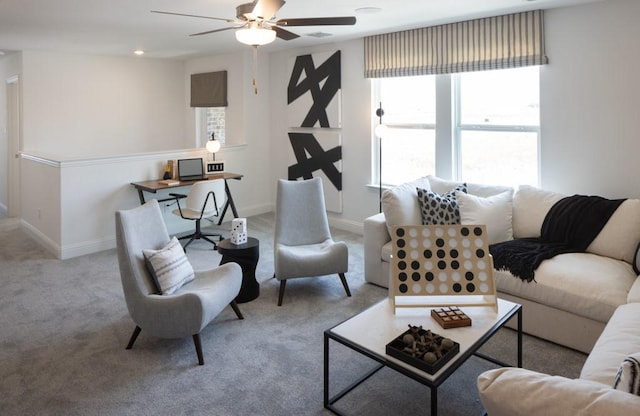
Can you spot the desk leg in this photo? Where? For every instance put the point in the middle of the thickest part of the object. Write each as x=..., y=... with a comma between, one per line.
x=141, y=196
x=228, y=203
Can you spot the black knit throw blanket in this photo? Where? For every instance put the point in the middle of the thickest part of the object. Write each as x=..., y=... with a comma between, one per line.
x=569, y=227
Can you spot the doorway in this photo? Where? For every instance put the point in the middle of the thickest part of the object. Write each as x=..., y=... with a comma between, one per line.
x=14, y=146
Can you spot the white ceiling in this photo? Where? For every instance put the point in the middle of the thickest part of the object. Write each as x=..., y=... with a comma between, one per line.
x=118, y=27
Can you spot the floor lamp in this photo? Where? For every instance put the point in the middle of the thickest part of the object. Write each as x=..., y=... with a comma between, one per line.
x=380, y=131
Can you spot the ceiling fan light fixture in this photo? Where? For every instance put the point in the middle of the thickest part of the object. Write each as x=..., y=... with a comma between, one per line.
x=255, y=36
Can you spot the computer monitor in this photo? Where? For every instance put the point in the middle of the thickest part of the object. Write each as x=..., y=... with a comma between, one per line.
x=190, y=169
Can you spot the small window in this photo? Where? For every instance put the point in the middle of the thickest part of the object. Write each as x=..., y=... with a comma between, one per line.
x=210, y=120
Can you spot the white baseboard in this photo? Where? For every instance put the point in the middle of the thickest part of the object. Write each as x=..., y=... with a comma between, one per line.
x=347, y=225
x=48, y=244
x=88, y=247
x=250, y=211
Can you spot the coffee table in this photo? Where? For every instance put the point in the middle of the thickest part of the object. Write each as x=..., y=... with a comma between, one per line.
x=370, y=331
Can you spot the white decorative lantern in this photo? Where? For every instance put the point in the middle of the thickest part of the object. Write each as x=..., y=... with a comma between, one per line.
x=239, y=231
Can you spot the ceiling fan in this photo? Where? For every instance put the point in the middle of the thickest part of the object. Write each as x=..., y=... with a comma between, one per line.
x=255, y=23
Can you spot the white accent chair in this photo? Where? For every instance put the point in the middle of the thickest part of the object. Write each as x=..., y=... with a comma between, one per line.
x=192, y=307
x=303, y=246
x=205, y=200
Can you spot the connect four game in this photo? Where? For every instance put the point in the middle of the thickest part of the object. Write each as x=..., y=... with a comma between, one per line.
x=441, y=265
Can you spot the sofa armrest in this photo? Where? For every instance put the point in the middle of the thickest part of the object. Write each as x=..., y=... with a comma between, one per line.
x=376, y=235
x=517, y=391
x=634, y=292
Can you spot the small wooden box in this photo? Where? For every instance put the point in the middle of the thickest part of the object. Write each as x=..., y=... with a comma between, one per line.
x=450, y=317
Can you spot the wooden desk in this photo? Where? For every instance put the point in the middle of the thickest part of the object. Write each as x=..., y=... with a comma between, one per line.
x=154, y=186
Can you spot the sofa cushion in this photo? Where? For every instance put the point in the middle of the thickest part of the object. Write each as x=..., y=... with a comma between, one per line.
x=441, y=186
x=530, y=206
x=584, y=284
x=494, y=211
x=400, y=204
x=628, y=376
x=521, y=392
x=620, y=338
x=440, y=209
x=620, y=236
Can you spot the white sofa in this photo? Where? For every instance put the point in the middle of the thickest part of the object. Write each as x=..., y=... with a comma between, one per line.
x=573, y=296
x=521, y=392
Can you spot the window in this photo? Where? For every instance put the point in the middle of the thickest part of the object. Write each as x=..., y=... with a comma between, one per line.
x=493, y=136
x=407, y=145
x=498, y=126
x=210, y=120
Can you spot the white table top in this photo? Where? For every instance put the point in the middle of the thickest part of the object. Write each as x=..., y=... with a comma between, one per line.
x=375, y=327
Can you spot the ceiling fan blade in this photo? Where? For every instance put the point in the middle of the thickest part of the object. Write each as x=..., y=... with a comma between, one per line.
x=318, y=21
x=284, y=34
x=266, y=9
x=194, y=15
x=214, y=31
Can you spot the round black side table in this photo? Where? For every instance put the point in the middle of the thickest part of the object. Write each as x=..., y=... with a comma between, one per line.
x=246, y=255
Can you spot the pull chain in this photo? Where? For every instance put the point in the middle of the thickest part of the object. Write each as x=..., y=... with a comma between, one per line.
x=255, y=69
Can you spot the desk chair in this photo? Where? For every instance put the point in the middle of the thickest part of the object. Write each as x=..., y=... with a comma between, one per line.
x=205, y=200
x=303, y=246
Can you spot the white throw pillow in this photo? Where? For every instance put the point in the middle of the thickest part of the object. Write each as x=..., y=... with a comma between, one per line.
x=530, y=206
x=628, y=376
x=400, y=204
x=495, y=212
x=620, y=236
x=169, y=267
x=440, y=186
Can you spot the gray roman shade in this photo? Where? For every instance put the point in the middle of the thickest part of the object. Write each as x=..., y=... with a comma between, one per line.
x=507, y=41
x=209, y=89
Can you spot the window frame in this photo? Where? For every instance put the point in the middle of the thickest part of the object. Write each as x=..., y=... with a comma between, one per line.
x=448, y=130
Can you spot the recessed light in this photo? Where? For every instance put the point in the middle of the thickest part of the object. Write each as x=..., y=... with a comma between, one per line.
x=368, y=10
x=139, y=52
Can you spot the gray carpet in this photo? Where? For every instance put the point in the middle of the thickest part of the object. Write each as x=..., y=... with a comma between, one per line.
x=64, y=326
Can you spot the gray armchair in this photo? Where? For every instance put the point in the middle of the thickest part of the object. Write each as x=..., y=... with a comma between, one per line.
x=303, y=246
x=187, y=311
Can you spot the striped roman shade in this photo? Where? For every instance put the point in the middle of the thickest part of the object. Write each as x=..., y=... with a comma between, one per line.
x=508, y=41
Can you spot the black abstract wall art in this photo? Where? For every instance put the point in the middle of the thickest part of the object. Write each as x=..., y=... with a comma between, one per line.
x=314, y=116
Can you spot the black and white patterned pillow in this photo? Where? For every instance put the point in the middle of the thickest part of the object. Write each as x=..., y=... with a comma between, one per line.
x=437, y=209
x=628, y=376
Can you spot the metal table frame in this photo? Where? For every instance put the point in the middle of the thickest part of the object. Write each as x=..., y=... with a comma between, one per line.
x=383, y=361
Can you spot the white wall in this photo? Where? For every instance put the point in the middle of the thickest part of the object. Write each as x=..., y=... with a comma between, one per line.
x=590, y=98
x=88, y=190
x=359, y=201
x=590, y=95
x=247, y=123
x=86, y=105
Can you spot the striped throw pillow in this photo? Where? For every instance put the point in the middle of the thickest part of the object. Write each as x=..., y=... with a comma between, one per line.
x=169, y=267
x=628, y=377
